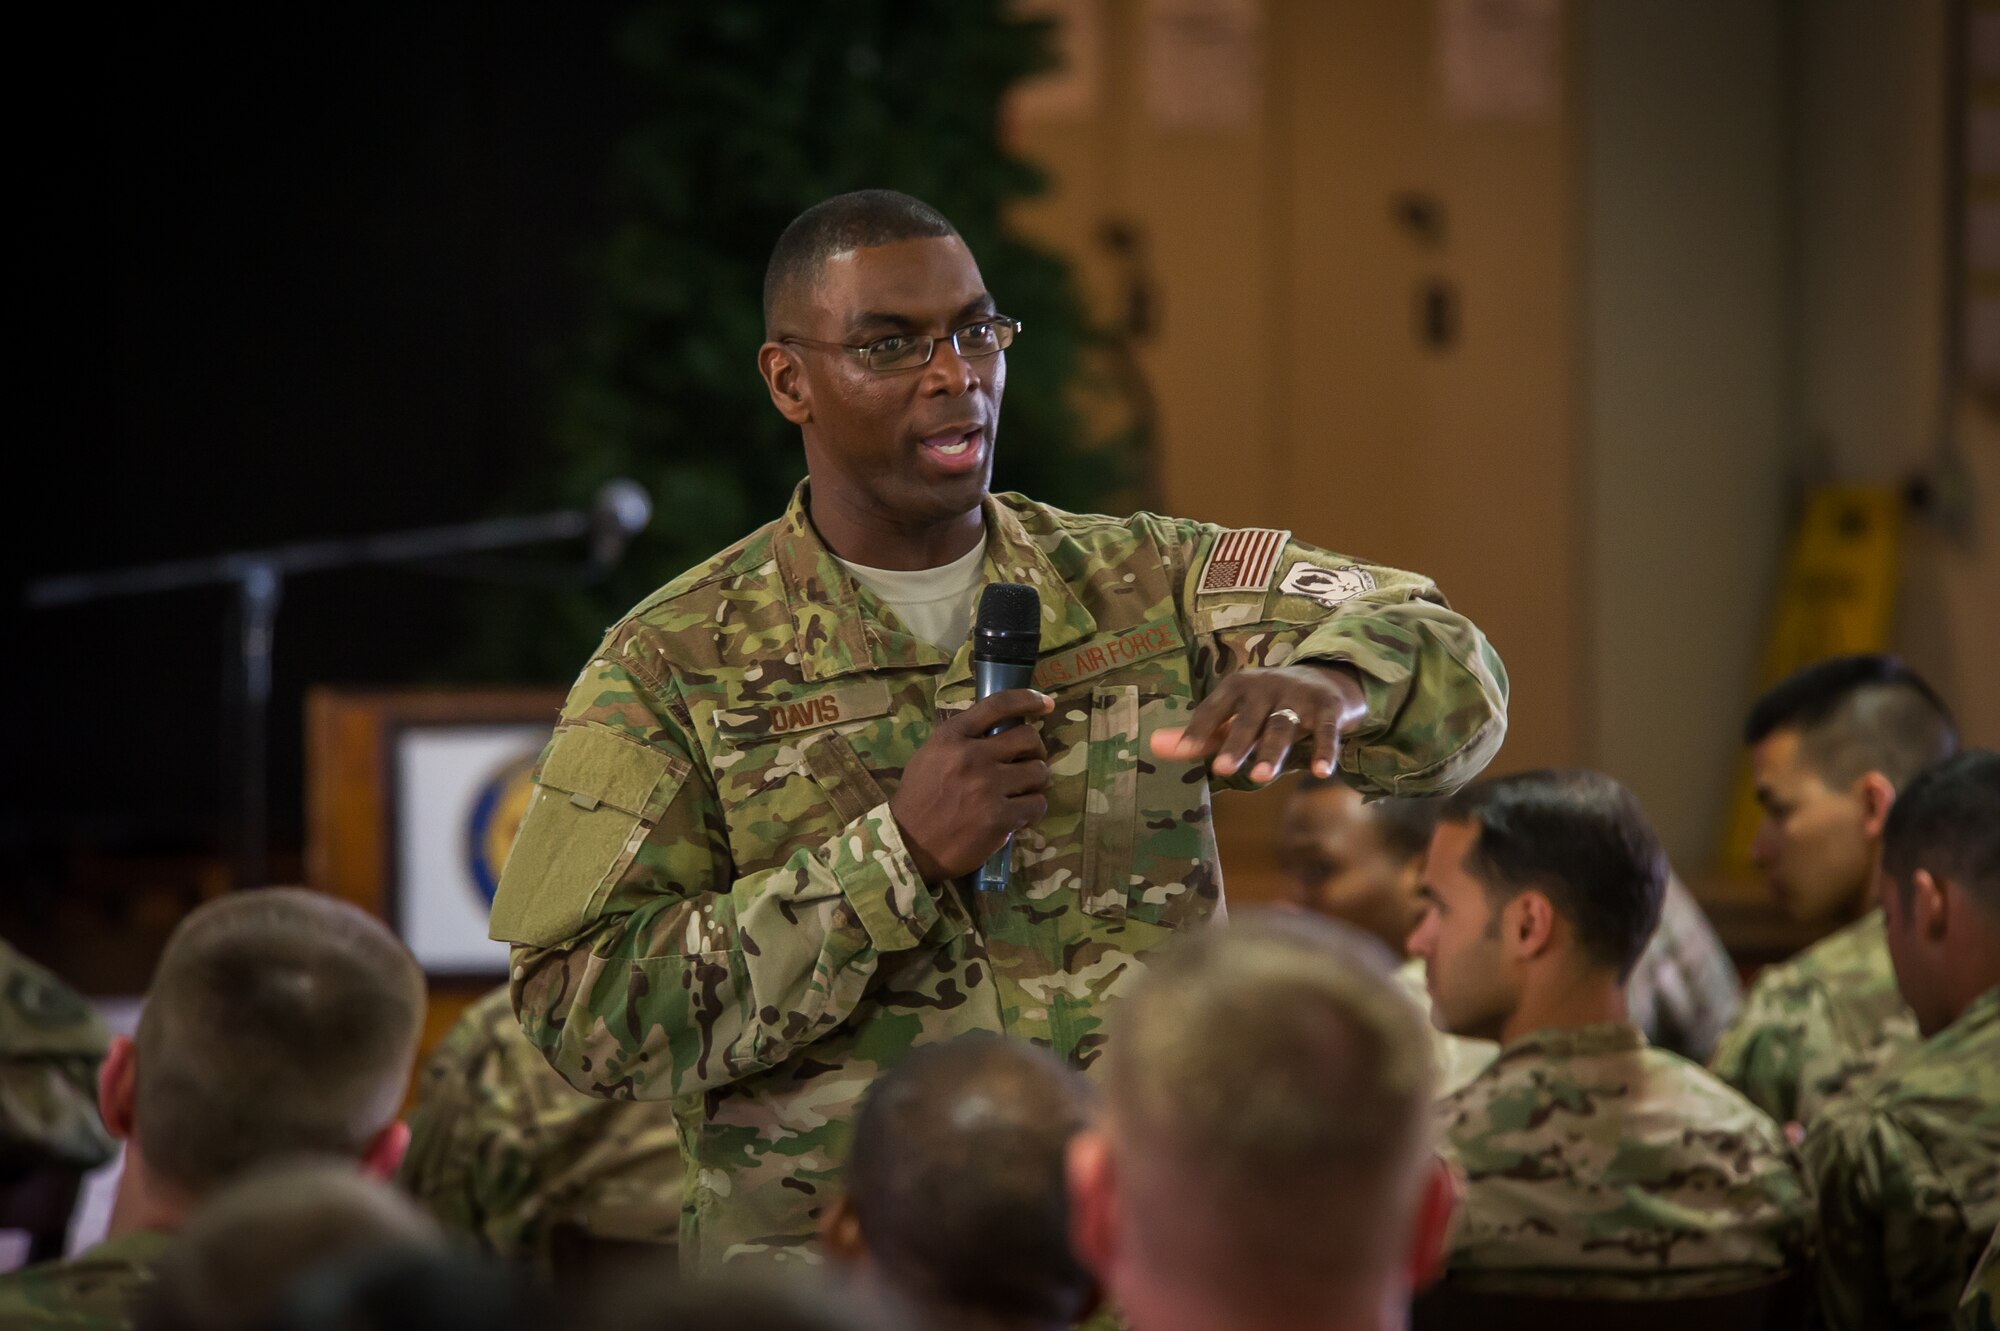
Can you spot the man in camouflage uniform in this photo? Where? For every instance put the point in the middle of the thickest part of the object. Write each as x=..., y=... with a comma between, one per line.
x=736, y=884
x=1907, y=1162
x=504, y=1150
x=1361, y=861
x=280, y=1022
x=1594, y=1165
x=51, y=1044
x=1829, y=746
x=1979, y=1306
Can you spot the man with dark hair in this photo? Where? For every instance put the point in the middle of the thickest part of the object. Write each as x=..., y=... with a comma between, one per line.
x=1264, y=1159
x=280, y=1022
x=1908, y=1161
x=1829, y=746
x=1594, y=1164
x=953, y=1203
x=1361, y=861
x=738, y=883
x=532, y=1169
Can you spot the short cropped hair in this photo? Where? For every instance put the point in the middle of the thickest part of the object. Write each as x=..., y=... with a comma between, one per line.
x=860, y=220
x=1855, y=715
x=1947, y=820
x=1403, y=821
x=1275, y=1070
x=235, y=1264
x=280, y=1022
x=1580, y=838
x=956, y=1178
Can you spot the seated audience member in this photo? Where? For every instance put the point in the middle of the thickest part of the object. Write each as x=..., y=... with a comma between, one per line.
x=505, y=1150
x=1595, y=1166
x=1829, y=748
x=234, y=1265
x=280, y=1022
x=954, y=1205
x=1907, y=1162
x=778, y=1301
x=407, y=1288
x=1264, y=1156
x=51, y=1045
x=1361, y=862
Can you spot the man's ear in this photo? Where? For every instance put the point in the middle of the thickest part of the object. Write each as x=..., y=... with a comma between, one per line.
x=1528, y=924
x=118, y=1087
x=790, y=393
x=1930, y=905
x=1430, y=1237
x=383, y=1154
x=1093, y=1203
x=840, y=1232
x=1876, y=793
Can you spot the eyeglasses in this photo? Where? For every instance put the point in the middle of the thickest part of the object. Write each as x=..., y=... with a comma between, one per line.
x=907, y=351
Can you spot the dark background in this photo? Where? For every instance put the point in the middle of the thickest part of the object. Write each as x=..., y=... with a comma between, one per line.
x=312, y=275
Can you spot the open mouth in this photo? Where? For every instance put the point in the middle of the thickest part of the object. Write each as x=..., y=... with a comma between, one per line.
x=955, y=450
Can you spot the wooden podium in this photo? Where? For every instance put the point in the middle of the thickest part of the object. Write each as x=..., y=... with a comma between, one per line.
x=412, y=800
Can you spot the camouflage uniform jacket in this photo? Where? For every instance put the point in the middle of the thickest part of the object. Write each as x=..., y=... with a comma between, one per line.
x=1813, y=1024
x=503, y=1149
x=1596, y=1166
x=50, y=1046
x=96, y=1290
x=1684, y=990
x=712, y=901
x=1908, y=1170
x=1979, y=1307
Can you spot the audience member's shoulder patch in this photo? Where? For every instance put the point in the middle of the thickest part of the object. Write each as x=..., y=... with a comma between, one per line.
x=1242, y=560
x=1328, y=586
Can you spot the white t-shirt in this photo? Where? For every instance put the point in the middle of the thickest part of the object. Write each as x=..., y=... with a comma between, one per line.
x=936, y=604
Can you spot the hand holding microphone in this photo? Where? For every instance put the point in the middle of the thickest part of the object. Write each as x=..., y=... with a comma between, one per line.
x=981, y=775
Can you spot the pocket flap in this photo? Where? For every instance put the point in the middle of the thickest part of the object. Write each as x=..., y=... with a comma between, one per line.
x=593, y=766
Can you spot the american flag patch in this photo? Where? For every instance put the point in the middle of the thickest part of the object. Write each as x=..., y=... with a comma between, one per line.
x=1242, y=560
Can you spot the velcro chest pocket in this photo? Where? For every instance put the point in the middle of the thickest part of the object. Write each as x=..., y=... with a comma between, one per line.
x=597, y=796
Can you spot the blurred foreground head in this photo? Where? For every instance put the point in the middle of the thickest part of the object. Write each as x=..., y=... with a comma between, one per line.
x=954, y=1191
x=1535, y=884
x=1830, y=745
x=239, y=1259
x=776, y=1300
x=1940, y=887
x=281, y=1022
x=1354, y=861
x=1264, y=1158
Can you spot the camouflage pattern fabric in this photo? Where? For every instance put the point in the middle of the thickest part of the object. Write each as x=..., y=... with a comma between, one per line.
x=1457, y=1059
x=712, y=902
x=51, y=1044
x=504, y=1150
x=94, y=1291
x=1598, y=1167
x=1813, y=1025
x=1684, y=991
x=1908, y=1172
x=1979, y=1307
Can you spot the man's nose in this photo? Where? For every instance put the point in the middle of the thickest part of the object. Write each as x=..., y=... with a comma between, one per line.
x=949, y=373
x=1418, y=944
x=1764, y=846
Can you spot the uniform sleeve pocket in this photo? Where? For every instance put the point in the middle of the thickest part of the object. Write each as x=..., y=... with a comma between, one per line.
x=597, y=796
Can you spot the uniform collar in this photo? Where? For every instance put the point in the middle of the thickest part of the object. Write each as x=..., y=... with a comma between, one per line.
x=1980, y=1016
x=1611, y=1037
x=843, y=629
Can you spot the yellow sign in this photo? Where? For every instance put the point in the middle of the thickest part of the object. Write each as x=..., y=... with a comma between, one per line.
x=1837, y=598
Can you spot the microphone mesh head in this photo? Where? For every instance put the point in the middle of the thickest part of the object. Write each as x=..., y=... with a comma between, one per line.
x=1010, y=607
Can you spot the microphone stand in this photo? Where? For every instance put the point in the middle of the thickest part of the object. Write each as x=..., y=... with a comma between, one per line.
x=259, y=578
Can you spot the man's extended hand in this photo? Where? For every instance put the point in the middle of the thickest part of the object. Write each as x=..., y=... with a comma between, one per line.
x=1241, y=718
x=964, y=791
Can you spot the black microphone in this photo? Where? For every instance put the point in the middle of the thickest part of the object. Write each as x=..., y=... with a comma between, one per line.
x=1005, y=641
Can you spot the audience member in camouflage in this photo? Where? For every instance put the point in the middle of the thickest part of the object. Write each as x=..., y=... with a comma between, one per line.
x=1594, y=1165
x=1907, y=1163
x=504, y=1150
x=1684, y=992
x=51, y=1045
x=280, y=1023
x=735, y=885
x=1829, y=747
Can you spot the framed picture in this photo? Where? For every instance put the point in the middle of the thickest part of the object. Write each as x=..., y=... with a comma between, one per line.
x=413, y=800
